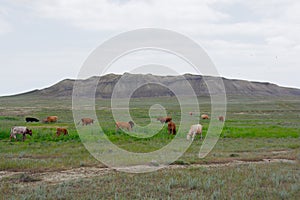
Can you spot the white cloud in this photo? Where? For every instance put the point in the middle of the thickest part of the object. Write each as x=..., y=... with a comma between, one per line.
x=195, y=18
x=5, y=26
x=109, y=15
x=280, y=41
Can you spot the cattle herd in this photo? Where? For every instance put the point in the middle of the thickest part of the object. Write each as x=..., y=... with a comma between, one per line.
x=194, y=129
x=23, y=130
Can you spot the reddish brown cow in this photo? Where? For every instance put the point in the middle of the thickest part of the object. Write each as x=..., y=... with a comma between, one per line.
x=164, y=119
x=128, y=125
x=171, y=128
x=204, y=116
x=50, y=119
x=59, y=131
x=221, y=118
x=86, y=121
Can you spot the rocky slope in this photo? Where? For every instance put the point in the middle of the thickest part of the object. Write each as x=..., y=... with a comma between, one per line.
x=156, y=86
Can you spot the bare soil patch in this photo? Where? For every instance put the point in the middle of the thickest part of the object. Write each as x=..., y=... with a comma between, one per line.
x=56, y=177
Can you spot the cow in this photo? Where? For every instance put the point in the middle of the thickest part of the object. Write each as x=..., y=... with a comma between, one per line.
x=86, y=121
x=171, y=128
x=128, y=125
x=195, y=129
x=221, y=118
x=20, y=130
x=50, y=119
x=31, y=119
x=191, y=113
x=204, y=116
x=164, y=119
x=59, y=131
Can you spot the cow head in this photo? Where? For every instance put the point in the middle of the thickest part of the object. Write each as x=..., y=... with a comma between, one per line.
x=131, y=123
x=29, y=131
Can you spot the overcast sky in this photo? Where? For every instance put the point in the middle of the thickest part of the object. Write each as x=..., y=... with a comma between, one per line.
x=45, y=41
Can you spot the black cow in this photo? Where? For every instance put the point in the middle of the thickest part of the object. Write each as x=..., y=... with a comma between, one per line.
x=31, y=119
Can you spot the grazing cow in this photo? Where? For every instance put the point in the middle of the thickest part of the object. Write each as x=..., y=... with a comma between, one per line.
x=221, y=118
x=171, y=128
x=128, y=125
x=204, y=116
x=59, y=131
x=20, y=130
x=86, y=121
x=164, y=119
x=195, y=129
x=31, y=119
x=50, y=119
x=191, y=113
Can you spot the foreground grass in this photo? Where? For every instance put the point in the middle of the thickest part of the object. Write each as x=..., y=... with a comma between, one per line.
x=272, y=181
x=53, y=156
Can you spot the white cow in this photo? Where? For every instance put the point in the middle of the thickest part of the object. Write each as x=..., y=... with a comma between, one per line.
x=195, y=129
x=19, y=130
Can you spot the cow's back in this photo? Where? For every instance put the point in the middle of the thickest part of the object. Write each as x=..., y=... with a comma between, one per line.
x=52, y=119
x=18, y=129
x=86, y=121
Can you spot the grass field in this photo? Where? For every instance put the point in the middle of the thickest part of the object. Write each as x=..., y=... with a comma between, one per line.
x=255, y=129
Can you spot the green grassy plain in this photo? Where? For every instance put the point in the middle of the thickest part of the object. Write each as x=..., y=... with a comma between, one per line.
x=255, y=129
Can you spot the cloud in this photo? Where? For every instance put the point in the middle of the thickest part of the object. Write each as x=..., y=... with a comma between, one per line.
x=195, y=18
x=113, y=15
x=5, y=26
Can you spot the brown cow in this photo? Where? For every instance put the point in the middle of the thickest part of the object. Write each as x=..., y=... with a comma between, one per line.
x=164, y=119
x=204, y=116
x=171, y=128
x=86, y=121
x=221, y=118
x=59, y=131
x=50, y=119
x=128, y=125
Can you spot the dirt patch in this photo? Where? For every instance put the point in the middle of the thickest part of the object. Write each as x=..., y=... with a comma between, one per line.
x=82, y=172
x=281, y=151
x=4, y=174
x=88, y=172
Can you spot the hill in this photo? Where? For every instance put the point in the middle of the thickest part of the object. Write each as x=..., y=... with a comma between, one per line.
x=107, y=83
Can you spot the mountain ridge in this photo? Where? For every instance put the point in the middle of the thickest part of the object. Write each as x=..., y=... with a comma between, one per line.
x=107, y=83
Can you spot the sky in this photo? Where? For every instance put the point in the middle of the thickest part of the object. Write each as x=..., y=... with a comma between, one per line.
x=45, y=41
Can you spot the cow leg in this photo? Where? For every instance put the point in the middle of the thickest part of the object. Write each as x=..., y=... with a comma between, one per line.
x=193, y=136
